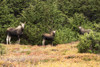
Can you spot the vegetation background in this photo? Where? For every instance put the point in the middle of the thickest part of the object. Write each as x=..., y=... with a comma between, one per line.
x=42, y=16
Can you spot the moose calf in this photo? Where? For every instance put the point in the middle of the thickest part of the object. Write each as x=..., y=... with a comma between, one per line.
x=49, y=37
x=82, y=30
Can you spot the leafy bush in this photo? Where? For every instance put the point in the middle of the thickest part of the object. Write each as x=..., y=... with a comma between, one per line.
x=65, y=35
x=90, y=43
x=79, y=20
x=97, y=27
x=42, y=16
x=2, y=49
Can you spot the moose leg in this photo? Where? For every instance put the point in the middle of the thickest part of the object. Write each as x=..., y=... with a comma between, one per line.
x=52, y=43
x=18, y=39
x=10, y=39
x=7, y=39
x=43, y=42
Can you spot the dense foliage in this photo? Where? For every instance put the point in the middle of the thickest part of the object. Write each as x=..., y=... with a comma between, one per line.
x=42, y=16
x=90, y=43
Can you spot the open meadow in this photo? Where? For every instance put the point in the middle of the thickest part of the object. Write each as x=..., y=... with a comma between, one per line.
x=61, y=55
x=73, y=25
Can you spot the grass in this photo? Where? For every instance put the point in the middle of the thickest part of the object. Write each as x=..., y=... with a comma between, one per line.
x=61, y=55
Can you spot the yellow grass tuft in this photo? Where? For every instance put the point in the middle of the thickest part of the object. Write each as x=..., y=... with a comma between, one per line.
x=62, y=55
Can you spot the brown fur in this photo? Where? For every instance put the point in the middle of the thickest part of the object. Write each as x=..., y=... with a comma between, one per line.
x=47, y=36
x=18, y=31
x=82, y=30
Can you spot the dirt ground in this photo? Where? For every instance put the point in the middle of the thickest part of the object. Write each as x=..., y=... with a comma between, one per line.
x=61, y=55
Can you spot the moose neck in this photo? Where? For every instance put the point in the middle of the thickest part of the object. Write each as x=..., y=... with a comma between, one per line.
x=53, y=34
x=20, y=28
x=82, y=29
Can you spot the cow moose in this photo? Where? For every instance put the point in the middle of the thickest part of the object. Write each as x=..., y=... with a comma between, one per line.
x=82, y=30
x=18, y=31
x=49, y=37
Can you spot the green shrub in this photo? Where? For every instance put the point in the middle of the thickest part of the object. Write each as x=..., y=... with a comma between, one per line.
x=2, y=49
x=42, y=16
x=77, y=20
x=65, y=35
x=89, y=43
x=97, y=27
